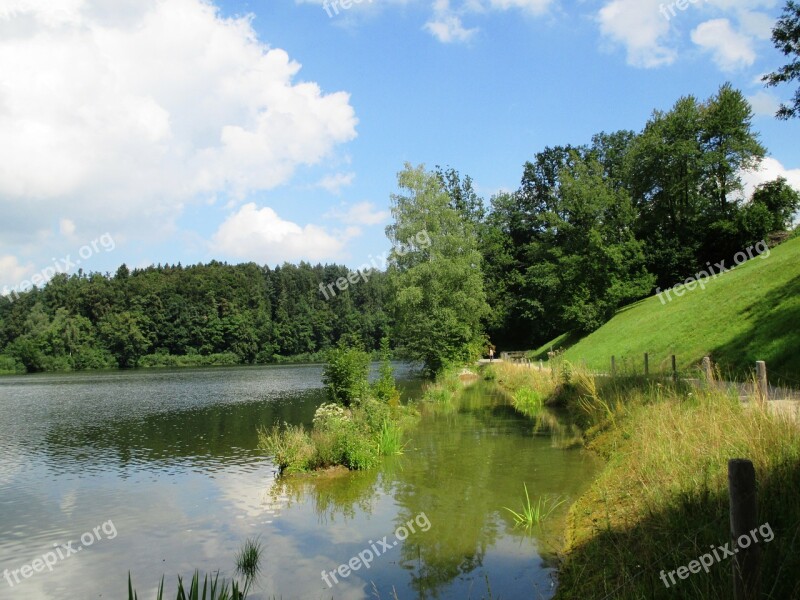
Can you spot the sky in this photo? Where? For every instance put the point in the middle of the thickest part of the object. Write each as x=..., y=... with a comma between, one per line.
x=165, y=131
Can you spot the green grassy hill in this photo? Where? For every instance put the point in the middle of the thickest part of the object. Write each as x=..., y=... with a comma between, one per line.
x=747, y=314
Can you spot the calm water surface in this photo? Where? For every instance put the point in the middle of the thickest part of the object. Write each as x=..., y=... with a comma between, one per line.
x=159, y=471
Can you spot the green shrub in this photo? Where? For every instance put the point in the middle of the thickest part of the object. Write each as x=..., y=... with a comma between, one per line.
x=164, y=359
x=357, y=450
x=346, y=375
x=372, y=414
x=9, y=365
x=354, y=430
x=385, y=389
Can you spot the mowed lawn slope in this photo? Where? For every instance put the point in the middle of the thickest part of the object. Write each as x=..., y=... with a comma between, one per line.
x=750, y=313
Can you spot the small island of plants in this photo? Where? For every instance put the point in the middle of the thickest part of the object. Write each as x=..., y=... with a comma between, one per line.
x=360, y=423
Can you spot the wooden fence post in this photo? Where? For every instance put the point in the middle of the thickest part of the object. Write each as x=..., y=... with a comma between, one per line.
x=743, y=511
x=646, y=365
x=709, y=374
x=763, y=384
x=674, y=369
x=613, y=367
x=541, y=367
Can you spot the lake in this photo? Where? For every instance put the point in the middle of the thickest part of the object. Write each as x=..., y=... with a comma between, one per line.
x=157, y=472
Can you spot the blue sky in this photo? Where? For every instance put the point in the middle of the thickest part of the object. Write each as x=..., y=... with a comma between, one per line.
x=270, y=131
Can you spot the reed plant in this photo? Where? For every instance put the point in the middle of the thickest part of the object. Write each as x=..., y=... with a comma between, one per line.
x=528, y=401
x=212, y=588
x=534, y=513
x=390, y=439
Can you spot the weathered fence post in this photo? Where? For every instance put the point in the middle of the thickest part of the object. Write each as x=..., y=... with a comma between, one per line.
x=646, y=365
x=763, y=384
x=613, y=366
x=709, y=374
x=541, y=367
x=674, y=369
x=743, y=509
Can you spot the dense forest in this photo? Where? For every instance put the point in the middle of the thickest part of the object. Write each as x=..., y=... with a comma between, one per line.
x=591, y=228
x=174, y=315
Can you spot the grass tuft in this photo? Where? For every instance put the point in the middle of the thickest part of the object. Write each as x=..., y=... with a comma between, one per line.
x=248, y=559
x=534, y=513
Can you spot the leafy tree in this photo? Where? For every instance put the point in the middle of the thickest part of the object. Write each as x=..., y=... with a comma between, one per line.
x=729, y=146
x=781, y=201
x=436, y=276
x=665, y=168
x=786, y=37
x=27, y=352
x=769, y=212
x=600, y=263
x=610, y=150
x=502, y=272
x=685, y=178
x=463, y=198
x=346, y=373
x=122, y=333
x=213, y=310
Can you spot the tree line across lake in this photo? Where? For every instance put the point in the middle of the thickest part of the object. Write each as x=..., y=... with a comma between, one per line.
x=591, y=228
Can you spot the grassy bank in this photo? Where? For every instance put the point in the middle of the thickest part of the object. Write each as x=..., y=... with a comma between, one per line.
x=661, y=500
x=742, y=316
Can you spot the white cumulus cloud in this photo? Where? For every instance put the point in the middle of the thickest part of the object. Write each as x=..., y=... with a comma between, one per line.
x=729, y=48
x=535, y=7
x=655, y=33
x=446, y=25
x=126, y=110
x=361, y=213
x=12, y=272
x=335, y=183
x=769, y=170
x=260, y=235
x=765, y=104
x=641, y=28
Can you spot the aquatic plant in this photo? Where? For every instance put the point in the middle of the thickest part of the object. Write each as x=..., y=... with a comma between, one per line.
x=528, y=401
x=247, y=563
x=212, y=589
x=390, y=439
x=248, y=558
x=534, y=513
